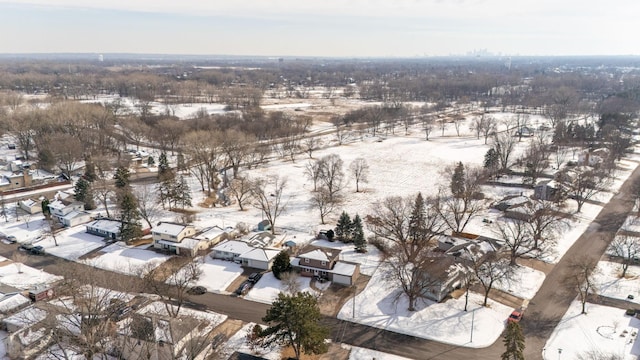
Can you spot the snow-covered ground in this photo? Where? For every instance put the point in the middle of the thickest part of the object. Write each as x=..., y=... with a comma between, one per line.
x=238, y=342
x=610, y=284
x=603, y=330
x=125, y=259
x=268, y=288
x=445, y=322
x=24, y=277
x=72, y=243
x=524, y=283
x=358, y=353
x=217, y=274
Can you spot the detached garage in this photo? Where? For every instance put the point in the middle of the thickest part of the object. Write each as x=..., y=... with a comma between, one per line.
x=344, y=273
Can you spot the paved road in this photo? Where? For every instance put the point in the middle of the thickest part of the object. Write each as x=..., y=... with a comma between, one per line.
x=544, y=312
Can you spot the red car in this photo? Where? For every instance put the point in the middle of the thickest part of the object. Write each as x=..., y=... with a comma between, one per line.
x=515, y=316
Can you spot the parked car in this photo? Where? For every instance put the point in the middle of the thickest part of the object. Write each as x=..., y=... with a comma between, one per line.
x=244, y=288
x=515, y=316
x=37, y=250
x=11, y=239
x=26, y=246
x=197, y=290
x=254, y=277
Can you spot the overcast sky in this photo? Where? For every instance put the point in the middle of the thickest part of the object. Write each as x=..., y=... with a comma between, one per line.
x=321, y=27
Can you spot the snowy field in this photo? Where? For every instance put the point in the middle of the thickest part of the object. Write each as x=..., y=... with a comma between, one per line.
x=72, y=243
x=358, y=353
x=125, y=259
x=609, y=284
x=238, y=342
x=444, y=322
x=524, y=283
x=602, y=331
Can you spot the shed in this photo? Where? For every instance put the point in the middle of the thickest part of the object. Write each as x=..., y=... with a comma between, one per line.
x=264, y=225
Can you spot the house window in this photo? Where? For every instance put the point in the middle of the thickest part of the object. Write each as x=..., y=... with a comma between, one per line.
x=306, y=260
x=324, y=263
x=307, y=270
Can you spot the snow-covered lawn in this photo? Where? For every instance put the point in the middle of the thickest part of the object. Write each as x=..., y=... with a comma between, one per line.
x=524, y=283
x=217, y=274
x=28, y=229
x=368, y=261
x=160, y=308
x=125, y=259
x=444, y=322
x=72, y=243
x=607, y=279
x=603, y=330
x=27, y=278
x=267, y=289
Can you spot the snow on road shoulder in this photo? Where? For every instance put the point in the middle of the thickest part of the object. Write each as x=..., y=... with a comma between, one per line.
x=444, y=322
x=524, y=283
x=267, y=289
x=125, y=259
x=358, y=353
x=603, y=331
x=217, y=274
x=609, y=284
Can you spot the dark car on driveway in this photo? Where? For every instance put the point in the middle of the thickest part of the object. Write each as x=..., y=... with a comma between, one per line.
x=197, y=290
x=26, y=247
x=254, y=277
x=244, y=288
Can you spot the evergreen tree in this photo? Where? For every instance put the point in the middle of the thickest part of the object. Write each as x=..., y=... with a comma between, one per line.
x=457, y=181
x=45, y=208
x=150, y=161
x=83, y=193
x=122, y=177
x=294, y=320
x=163, y=166
x=90, y=171
x=129, y=217
x=182, y=192
x=491, y=160
x=281, y=264
x=417, y=220
x=358, y=235
x=513, y=342
x=180, y=162
x=343, y=228
x=166, y=188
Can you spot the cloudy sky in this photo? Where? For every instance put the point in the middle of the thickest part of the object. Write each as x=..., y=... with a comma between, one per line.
x=321, y=27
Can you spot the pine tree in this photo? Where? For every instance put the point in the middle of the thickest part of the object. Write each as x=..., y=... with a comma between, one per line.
x=294, y=320
x=513, y=342
x=343, y=227
x=457, y=181
x=90, y=171
x=417, y=220
x=122, y=177
x=129, y=217
x=83, y=193
x=281, y=264
x=163, y=166
x=182, y=192
x=150, y=161
x=358, y=235
x=491, y=160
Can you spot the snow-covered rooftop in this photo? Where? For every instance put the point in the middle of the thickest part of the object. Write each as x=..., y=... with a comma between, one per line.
x=320, y=254
x=111, y=226
x=260, y=254
x=169, y=229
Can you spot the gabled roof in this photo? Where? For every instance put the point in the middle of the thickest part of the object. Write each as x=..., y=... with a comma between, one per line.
x=169, y=229
x=233, y=246
x=321, y=254
x=260, y=254
x=111, y=226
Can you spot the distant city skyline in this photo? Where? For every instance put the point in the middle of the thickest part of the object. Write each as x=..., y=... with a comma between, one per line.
x=331, y=28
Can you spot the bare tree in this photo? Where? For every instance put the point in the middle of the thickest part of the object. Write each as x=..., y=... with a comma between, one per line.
x=627, y=249
x=517, y=239
x=313, y=172
x=135, y=130
x=410, y=227
x=342, y=133
x=428, y=122
x=68, y=152
x=171, y=288
x=322, y=201
x=236, y=148
x=18, y=258
x=543, y=219
x=311, y=144
x=580, y=278
x=536, y=160
x=360, y=171
x=148, y=204
x=458, y=209
x=290, y=282
x=582, y=183
x=490, y=269
x=332, y=175
x=270, y=200
x=240, y=189
x=104, y=191
x=484, y=125
x=504, y=144
x=206, y=159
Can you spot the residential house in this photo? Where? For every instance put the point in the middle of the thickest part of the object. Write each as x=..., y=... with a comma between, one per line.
x=69, y=214
x=106, y=228
x=17, y=180
x=11, y=299
x=213, y=235
x=27, y=335
x=546, y=190
x=175, y=238
x=245, y=254
x=30, y=206
x=324, y=263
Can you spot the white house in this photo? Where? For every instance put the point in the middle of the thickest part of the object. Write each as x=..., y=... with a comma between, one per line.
x=259, y=258
x=230, y=250
x=175, y=238
x=70, y=214
x=245, y=254
x=30, y=206
x=106, y=228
